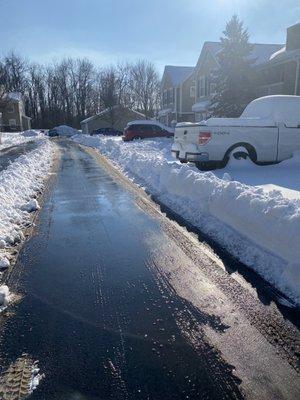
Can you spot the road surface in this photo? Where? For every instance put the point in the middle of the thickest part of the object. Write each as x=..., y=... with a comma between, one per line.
x=114, y=307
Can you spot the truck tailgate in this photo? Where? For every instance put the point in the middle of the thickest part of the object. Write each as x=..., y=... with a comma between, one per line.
x=187, y=134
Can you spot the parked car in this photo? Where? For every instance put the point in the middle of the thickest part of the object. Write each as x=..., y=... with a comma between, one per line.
x=268, y=131
x=107, y=131
x=62, y=130
x=141, y=129
x=52, y=132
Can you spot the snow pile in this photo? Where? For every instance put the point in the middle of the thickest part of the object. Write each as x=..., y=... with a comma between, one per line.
x=260, y=228
x=31, y=205
x=19, y=184
x=283, y=177
x=30, y=133
x=9, y=139
x=65, y=130
x=35, y=378
x=4, y=263
x=4, y=297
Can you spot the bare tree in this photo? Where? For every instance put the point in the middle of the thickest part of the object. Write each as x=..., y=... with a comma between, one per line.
x=72, y=89
x=108, y=84
x=82, y=81
x=16, y=73
x=144, y=84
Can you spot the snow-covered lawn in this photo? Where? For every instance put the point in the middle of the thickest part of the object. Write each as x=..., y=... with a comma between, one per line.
x=283, y=177
x=14, y=138
x=20, y=182
x=256, y=223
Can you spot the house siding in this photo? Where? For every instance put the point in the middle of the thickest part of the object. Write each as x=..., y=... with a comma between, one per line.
x=279, y=74
x=176, y=99
x=13, y=110
x=168, y=95
x=278, y=78
x=203, y=85
x=119, y=120
x=186, y=114
x=205, y=70
x=7, y=115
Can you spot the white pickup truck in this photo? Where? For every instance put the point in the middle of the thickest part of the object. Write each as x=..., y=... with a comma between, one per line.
x=268, y=131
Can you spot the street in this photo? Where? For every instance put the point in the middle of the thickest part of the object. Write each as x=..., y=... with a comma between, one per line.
x=114, y=308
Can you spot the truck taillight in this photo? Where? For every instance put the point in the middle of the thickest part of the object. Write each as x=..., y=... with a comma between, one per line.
x=204, y=137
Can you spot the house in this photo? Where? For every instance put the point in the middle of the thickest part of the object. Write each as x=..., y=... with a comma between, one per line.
x=12, y=113
x=177, y=94
x=116, y=117
x=280, y=74
x=208, y=63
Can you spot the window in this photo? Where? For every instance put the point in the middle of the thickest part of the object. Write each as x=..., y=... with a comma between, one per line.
x=192, y=91
x=170, y=96
x=165, y=97
x=212, y=88
x=12, y=122
x=156, y=129
x=135, y=127
x=10, y=108
x=146, y=128
x=201, y=90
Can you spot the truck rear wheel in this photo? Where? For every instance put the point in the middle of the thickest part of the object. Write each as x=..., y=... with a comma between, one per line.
x=240, y=151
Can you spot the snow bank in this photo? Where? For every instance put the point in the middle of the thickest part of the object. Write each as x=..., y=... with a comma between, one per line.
x=261, y=229
x=35, y=378
x=14, y=138
x=4, y=296
x=4, y=263
x=30, y=133
x=19, y=184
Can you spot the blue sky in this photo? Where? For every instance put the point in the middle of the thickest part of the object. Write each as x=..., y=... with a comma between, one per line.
x=107, y=31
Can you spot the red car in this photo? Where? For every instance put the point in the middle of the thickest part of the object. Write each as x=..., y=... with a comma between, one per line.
x=146, y=129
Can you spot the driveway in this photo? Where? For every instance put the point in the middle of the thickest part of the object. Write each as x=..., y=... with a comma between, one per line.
x=113, y=308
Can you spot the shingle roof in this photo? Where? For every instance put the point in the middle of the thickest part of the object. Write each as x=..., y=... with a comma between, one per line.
x=177, y=73
x=107, y=110
x=261, y=51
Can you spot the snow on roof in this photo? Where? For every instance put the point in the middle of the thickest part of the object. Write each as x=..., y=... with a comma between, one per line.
x=263, y=52
x=177, y=73
x=278, y=53
x=13, y=96
x=107, y=110
x=201, y=106
x=283, y=54
x=164, y=112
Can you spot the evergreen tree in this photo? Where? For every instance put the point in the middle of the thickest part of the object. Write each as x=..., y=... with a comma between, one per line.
x=234, y=79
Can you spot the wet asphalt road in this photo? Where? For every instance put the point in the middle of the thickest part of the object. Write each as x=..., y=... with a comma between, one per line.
x=10, y=154
x=95, y=314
